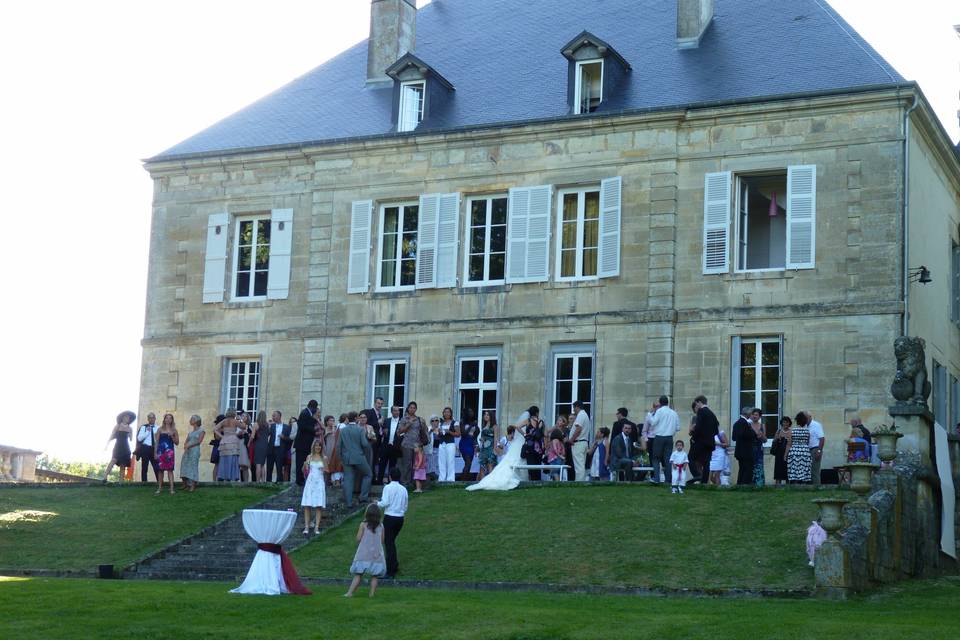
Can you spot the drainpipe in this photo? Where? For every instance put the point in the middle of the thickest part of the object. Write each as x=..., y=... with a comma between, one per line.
x=905, y=326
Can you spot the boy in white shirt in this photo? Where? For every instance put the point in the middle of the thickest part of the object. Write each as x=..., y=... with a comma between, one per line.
x=678, y=465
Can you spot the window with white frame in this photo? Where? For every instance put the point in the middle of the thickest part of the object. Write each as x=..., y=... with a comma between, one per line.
x=411, y=105
x=757, y=377
x=242, y=384
x=572, y=379
x=578, y=230
x=486, y=253
x=478, y=382
x=251, y=258
x=589, y=89
x=761, y=225
x=387, y=374
x=398, y=246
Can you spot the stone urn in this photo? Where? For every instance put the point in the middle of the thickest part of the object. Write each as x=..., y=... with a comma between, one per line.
x=885, y=438
x=861, y=475
x=831, y=513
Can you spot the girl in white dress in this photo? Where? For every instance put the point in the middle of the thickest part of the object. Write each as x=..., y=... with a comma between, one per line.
x=678, y=464
x=314, y=488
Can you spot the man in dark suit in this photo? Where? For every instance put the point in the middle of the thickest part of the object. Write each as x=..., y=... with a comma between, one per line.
x=389, y=444
x=281, y=437
x=704, y=429
x=306, y=432
x=354, y=449
x=743, y=437
x=621, y=450
x=375, y=419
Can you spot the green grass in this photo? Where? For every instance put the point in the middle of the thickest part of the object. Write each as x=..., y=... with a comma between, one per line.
x=78, y=528
x=611, y=535
x=106, y=609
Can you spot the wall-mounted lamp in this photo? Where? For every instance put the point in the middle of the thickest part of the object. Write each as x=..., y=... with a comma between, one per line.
x=920, y=274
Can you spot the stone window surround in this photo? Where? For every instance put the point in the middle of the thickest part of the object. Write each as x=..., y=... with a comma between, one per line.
x=558, y=213
x=560, y=349
x=735, y=366
x=474, y=353
x=393, y=357
x=253, y=216
x=227, y=374
x=397, y=288
x=468, y=227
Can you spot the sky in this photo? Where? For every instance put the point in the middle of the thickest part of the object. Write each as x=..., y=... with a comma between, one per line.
x=91, y=88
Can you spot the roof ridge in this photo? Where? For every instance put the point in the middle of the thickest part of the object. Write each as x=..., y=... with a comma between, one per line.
x=857, y=39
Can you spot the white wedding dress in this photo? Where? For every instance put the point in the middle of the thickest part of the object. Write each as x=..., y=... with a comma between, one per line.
x=504, y=476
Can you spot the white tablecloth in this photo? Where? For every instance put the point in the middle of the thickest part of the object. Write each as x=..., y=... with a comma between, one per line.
x=266, y=526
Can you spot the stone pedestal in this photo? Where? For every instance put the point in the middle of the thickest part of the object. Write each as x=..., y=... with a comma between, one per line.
x=915, y=423
x=832, y=570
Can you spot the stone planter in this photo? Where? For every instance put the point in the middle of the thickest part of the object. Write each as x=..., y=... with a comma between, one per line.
x=831, y=513
x=861, y=476
x=885, y=438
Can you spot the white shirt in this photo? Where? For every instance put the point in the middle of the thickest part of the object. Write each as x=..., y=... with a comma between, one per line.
x=394, y=423
x=586, y=428
x=816, y=432
x=664, y=422
x=394, y=499
x=146, y=434
x=678, y=457
x=279, y=426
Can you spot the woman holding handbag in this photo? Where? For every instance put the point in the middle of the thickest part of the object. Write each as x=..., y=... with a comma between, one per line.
x=779, y=450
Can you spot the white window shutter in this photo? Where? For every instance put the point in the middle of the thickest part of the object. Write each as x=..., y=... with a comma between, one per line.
x=608, y=260
x=716, y=222
x=517, y=206
x=215, y=261
x=361, y=221
x=448, y=219
x=281, y=243
x=801, y=216
x=427, y=241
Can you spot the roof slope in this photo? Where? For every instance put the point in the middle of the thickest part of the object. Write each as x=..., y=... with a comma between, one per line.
x=503, y=57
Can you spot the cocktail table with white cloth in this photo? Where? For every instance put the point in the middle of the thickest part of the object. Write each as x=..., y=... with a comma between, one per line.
x=271, y=572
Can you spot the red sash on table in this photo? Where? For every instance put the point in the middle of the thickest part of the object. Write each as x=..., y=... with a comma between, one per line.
x=289, y=573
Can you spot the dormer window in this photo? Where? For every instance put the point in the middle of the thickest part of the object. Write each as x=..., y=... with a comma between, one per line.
x=420, y=94
x=410, y=113
x=595, y=73
x=589, y=89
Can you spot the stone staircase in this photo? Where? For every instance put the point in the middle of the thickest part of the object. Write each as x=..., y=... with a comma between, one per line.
x=223, y=551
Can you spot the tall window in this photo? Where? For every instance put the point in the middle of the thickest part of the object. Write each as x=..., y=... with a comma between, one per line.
x=940, y=395
x=411, y=105
x=398, y=246
x=573, y=376
x=388, y=379
x=243, y=385
x=761, y=222
x=478, y=382
x=955, y=284
x=486, y=240
x=954, y=405
x=251, y=257
x=589, y=90
x=579, y=233
x=757, y=364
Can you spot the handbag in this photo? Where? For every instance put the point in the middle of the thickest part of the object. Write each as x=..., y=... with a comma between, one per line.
x=778, y=447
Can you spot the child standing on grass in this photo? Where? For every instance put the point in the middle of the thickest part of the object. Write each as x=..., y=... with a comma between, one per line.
x=678, y=464
x=369, y=557
x=419, y=467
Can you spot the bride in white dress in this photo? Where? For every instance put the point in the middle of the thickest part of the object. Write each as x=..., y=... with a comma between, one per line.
x=504, y=476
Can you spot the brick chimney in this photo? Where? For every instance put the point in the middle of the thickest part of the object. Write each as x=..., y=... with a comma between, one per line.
x=393, y=32
x=693, y=18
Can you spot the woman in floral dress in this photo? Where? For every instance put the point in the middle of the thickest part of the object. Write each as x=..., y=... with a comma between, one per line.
x=167, y=439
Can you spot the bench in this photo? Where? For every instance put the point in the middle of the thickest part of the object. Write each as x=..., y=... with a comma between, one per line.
x=546, y=467
x=634, y=470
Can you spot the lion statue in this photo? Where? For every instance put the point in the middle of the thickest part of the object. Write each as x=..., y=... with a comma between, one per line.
x=911, y=370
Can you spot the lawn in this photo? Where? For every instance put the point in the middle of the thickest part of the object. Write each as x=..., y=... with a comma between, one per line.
x=78, y=528
x=106, y=609
x=610, y=535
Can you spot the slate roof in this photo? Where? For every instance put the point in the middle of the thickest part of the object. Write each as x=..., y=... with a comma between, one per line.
x=503, y=57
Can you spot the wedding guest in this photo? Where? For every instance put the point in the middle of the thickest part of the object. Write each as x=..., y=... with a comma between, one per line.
x=817, y=440
x=372, y=438
x=306, y=432
x=353, y=448
x=190, y=460
x=120, y=435
x=533, y=446
x=718, y=459
x=678, y=463
x=331, y=435
x=449, y=431
x=376, y=419
x=743, y=438
x=505, y=440
x=661, y=425
x=389, y=444
x=779, y=450
x=314, y=488
x=394, y=503
x=167, y=439
x=468, y=441
x=226, y=430
x=215, y=448
x=412, y=431
x=261, y=446
x=798, y=451
x=702, y=436
x=419, y=468
x=244, y=434
x=432, y=450
x=555, y=452
x=369, y=556
x=580, y=435
x=760, y=436
x=599, y=467
x=146, y=439
x=281, y=438
x=489, y=434
x=621, y=454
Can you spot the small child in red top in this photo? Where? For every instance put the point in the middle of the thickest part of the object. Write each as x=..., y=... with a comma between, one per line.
x=419, y=468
